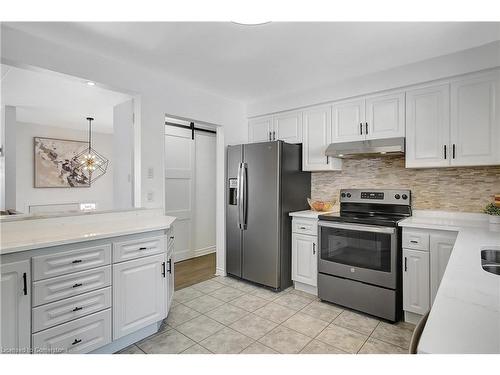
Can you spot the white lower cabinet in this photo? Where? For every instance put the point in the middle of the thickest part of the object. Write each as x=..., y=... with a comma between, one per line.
x=139, y=294
x=305, y=254
x=441, y=245
x=170, y=277
x=425, y=256
x=416, y=281
x=304, y=259
x=16, y=307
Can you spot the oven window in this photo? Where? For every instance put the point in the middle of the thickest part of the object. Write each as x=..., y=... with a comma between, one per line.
x=356, y=248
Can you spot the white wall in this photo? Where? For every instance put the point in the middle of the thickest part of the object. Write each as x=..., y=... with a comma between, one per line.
x=159, y=94
x=123, y=146
x=100, y=192
x=474, y=59
x=9, y=134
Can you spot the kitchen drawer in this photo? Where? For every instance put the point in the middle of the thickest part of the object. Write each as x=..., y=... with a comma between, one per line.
x=51, y=265
x=63, y=311
x=304, y=226
x=77, y=337
x=415, y=239
x=138, y=248
x=57, y=288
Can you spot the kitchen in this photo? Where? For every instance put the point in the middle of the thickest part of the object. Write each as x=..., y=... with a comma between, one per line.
x=349, y=215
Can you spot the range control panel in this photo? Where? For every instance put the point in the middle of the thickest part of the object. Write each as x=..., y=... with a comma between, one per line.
x=383, y=196
x=371, y=195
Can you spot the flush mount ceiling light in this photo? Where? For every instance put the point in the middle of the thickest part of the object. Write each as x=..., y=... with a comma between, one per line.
x=90, y=83
x=92, y=164
x=250, y=23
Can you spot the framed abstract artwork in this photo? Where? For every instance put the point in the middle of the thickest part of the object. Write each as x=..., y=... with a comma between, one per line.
x=56, y=165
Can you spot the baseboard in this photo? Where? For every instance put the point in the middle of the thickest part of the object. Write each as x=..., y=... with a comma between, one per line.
x=220, y=271
x=305, y=288
x=412, y=317
x=189, y=254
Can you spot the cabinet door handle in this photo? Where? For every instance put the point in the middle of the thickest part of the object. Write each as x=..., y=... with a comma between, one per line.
x=314, y=248
x=445, y=152
x=76, y=342
x=327, y=160
x=172, y=237
x=269, y=135
x=77, y=261
x=360, y=128
x=274, y=135
x=170, y=265
x=406, y=265
x=366, y=128
x=77, y=285
x=163, y=272
x=453, y=151
x=25, y=284
x=77, y=309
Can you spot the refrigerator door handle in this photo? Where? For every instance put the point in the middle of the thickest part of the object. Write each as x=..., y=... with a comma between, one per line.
x=244, y=196
x=239, y=194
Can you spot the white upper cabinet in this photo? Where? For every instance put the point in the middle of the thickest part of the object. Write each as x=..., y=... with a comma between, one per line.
x=475, y=125
x=260, y=129
x=427, y=127
x=287, y=127
x=385, y=116
x=316, y=136
x=373, y=117
x=348, y=120
x=15, y=286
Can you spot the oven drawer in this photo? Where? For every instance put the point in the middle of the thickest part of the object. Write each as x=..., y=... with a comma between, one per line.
x=415, y=239
x=138, y=248
x=60, y=287
x=51, y=265
x=76, y=337
x=304, y=226
x=63, y=311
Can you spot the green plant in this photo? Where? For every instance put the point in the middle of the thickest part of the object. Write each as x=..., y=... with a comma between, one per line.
x=491, y=209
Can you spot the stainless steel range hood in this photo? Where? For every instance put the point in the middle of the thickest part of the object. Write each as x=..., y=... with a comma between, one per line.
x=388, y=146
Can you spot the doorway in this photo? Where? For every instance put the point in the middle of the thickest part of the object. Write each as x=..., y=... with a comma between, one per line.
x=190, y=196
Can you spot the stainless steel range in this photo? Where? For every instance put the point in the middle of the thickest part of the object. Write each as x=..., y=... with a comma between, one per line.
x=359, y=264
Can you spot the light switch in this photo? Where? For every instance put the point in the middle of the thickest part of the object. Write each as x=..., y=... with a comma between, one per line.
x=151, y=173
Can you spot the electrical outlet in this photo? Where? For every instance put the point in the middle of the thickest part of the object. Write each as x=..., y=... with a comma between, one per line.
x=151, y=173
x=150, y=196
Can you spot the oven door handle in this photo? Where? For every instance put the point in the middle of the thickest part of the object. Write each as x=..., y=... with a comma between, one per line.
x=358, y=227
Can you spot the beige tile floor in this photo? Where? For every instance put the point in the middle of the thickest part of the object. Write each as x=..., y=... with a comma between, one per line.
x=225, y=315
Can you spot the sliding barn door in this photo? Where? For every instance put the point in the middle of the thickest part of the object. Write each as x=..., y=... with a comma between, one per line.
x=179, y=187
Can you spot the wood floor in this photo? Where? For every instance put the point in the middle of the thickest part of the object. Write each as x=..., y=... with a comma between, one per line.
x=195, y=270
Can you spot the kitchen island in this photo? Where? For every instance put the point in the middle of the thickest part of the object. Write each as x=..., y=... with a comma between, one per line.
x=465, y=314
x=84, y=283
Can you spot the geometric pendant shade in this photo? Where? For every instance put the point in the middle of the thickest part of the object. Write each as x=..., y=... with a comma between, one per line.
x=92, y=164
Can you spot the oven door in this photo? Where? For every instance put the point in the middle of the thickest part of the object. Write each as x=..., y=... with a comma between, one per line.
x=365, y=253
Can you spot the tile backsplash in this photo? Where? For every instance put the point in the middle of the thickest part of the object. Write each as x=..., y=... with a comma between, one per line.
x=466, y=189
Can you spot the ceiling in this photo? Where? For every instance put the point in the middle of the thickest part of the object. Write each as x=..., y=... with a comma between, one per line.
x=58, y=100
x=253, y=62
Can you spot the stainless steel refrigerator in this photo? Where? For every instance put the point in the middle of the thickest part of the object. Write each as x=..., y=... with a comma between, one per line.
x=265, y=183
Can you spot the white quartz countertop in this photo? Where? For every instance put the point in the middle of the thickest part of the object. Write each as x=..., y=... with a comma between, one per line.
x=309, y=214
x=31, y=234
x=465, y=316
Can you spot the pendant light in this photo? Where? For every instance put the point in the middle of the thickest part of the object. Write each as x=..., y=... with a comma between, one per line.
x=93, y=165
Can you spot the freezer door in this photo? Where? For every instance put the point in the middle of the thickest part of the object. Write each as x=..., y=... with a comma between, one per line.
x=261, y=247
x=233, y=231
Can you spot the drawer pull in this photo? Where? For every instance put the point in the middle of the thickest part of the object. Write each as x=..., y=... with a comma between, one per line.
x=76, y=342
x=143, y=248
x=77, y=261
x=170, y=265
x=77, y=285
x=413, y=241
x=171, y=237
x=77, y=309
x=302, y=228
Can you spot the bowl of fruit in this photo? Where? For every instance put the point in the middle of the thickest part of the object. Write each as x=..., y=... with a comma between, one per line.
x=322, y=206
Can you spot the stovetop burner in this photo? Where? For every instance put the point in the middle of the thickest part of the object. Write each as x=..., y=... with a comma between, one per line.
x=372, y=206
